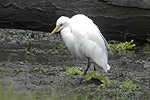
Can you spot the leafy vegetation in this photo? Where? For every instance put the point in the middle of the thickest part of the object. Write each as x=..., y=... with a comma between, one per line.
x=29, y=47
x=125, y=86
x=147, y=48
x=89, y=92
x=74, y=71
x=128, y=86
x=122, y=47
x=93, y=75
x=57, y=44
x=3, y=33
x=109, y=83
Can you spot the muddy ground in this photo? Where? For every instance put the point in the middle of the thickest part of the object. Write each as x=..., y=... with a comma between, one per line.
x=32, y=61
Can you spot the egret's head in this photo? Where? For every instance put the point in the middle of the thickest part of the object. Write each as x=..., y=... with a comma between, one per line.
x=61, y=23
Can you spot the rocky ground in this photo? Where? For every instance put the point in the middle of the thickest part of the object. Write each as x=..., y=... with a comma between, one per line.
x=31, y=61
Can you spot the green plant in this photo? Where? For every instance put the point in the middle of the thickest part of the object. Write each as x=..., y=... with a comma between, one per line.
x=147, y=47
x=58, y=44
x=5, y=71
x=128, y=86
x=30, y=34
x=108, y=83
x=3, y=33
x=96, y=75
x=29, y=47
x=93, y=75
x=125, y=86
x=74, y=71
x=121, y=47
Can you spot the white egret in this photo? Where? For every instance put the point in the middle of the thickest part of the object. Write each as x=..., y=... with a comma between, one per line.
x=84, y=40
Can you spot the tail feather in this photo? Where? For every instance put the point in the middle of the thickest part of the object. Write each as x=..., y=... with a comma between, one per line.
x=108, y=67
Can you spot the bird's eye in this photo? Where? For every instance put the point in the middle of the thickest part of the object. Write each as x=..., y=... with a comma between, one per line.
x=61, y=24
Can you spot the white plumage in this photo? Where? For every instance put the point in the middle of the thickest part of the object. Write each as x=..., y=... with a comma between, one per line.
x=83, y=39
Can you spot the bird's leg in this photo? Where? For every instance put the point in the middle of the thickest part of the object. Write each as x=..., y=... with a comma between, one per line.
x=94, y=68
x=88, y=66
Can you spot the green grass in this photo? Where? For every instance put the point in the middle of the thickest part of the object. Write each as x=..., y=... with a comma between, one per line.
x=8, y=93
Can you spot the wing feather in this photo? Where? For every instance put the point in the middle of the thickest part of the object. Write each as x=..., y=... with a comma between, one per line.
x=90, y=41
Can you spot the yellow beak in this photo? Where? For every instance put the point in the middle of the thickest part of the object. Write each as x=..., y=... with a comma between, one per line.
x=55, y=30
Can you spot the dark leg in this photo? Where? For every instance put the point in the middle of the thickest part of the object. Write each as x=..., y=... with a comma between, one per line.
x=88, y=66
x=94, y=68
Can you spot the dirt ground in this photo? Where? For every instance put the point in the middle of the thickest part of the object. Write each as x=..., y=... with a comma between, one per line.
x=32, y=61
